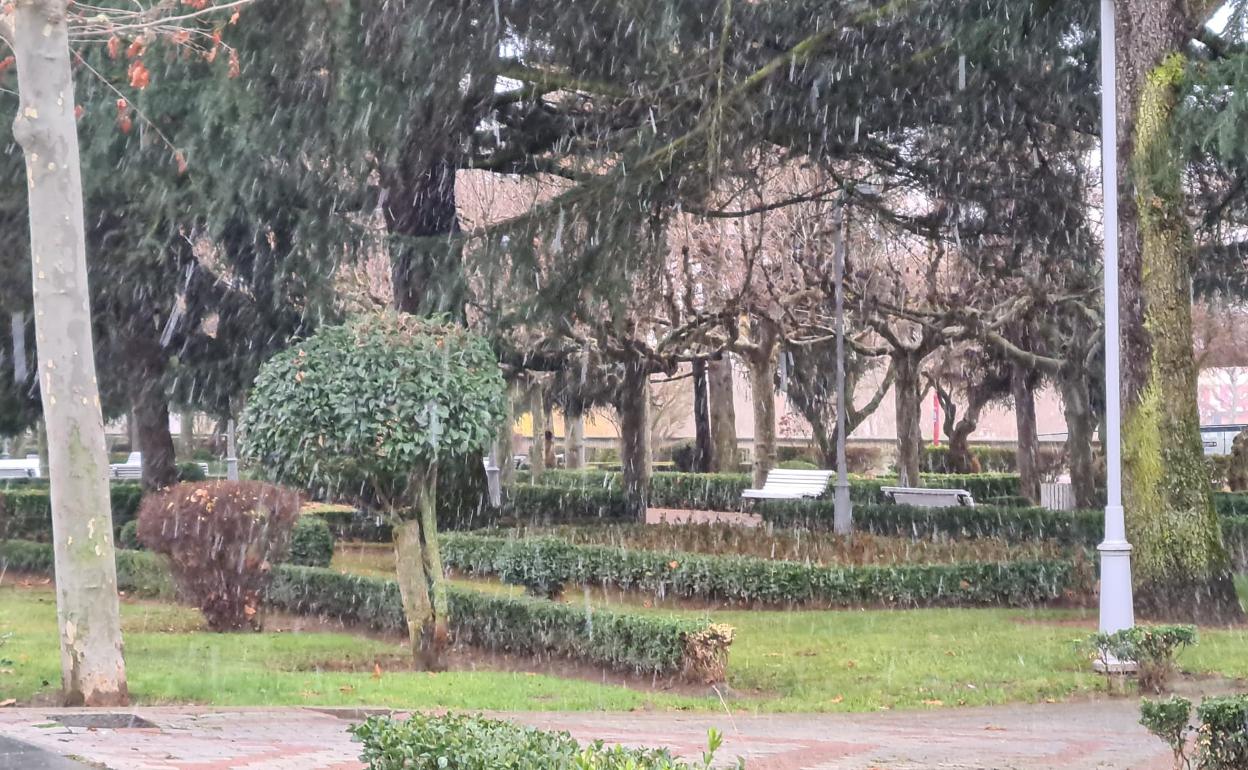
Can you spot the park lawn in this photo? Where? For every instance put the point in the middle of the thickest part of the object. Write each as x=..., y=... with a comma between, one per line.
x=794, y=661
x=170, y=661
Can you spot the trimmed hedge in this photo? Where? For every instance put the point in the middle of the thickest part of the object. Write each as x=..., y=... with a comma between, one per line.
x=644, y=643
x=722, y=491
x=647, y=643
x=746, y=579
x=311, y=543
x=457, y=742
x=1231, y=503
x=26, y=511
x=141, y=573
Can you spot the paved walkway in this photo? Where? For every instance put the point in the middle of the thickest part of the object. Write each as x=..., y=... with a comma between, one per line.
x=1079, y=736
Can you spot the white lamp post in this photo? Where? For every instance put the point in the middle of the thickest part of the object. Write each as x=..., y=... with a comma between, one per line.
x=1116, y=609
x=842, y=515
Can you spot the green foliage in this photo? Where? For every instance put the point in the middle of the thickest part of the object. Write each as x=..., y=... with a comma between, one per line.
x=460, y=742
x=140, y=573
x=540, y=504
x=1222, y=743
x=311, y=543
x=535, y=563
x=644, y=643
x=1167, y=719
x=347, y=522
x=366, y=404
x=191, y=472
x=1221, y=739
x=26, y=510
x=1152, y=648
x=766, y=581
x=935, y=459
x=128, y=538
x=797, y=465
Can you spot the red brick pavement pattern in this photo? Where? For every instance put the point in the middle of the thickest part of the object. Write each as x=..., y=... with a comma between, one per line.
x=1095, y=736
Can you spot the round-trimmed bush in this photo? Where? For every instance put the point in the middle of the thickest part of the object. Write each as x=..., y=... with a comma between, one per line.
x=312, y=543
x=128, y=538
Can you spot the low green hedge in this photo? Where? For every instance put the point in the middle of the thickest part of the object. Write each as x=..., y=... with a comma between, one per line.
x=646, y=643
x=1072, y=527
x=26, y=511
x=722, y=491
x=141, y=573
x=537, y=562
x=1231, y=503
x=456, y=742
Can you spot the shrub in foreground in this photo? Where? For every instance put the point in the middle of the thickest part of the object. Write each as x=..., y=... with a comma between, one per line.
x=1153, y=648
x=221, y=538
x=459, y=742
x=1221, y=739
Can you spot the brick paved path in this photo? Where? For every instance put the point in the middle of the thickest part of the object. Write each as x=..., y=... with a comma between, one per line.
x=1101, y=736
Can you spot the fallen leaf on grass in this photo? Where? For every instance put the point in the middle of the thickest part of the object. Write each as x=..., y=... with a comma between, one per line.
x=376, y=671
x=8, y=702
x=837, y=699
x=933, y=702
x=346, y=688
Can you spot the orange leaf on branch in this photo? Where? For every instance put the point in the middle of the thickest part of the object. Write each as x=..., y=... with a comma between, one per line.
x=139, y=76
x=114, y=47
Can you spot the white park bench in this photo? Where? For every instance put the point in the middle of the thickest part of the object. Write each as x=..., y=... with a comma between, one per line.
x=27, y=468
x=132, y=468
x=791, y=485
x=927, y=497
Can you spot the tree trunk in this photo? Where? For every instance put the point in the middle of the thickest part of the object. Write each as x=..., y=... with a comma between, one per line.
x=762, y=366
x=703, y=449
x=422, y=584
x=907, y=396
x=550, y=457
x=93, y=672
x=506, y=437
x=427, y=259
x=1180, y=566
x=132, y=430
x=1022, y=389
x=634, y=409
x=187, y=436
x=1077, y=408
x=574, y=438
x=537, y=436
x=151, y=411
x=723, y=409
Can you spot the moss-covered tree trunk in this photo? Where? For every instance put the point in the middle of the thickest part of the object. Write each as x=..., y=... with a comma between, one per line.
x=1181, y=568
x=574, y=437
x=418, y=563
x=703, y=449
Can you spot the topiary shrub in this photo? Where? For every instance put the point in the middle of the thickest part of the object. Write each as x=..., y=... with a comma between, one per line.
x=221, y=538
x=129, y=536
x=191, y=472
x=368, y=411
x=311, y=543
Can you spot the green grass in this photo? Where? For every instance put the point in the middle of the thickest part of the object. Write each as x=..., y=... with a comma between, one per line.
x=170, y=661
